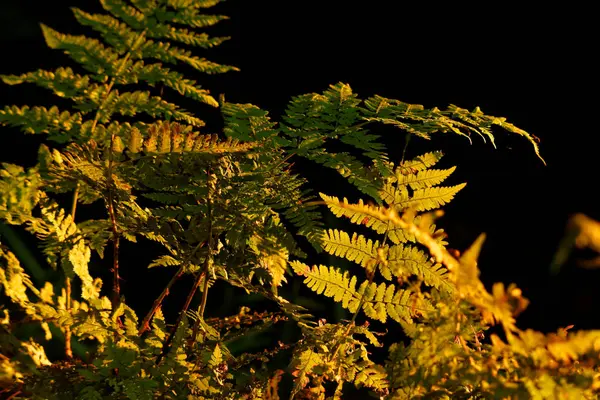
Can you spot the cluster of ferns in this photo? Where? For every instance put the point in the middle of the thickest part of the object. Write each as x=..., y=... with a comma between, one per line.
x=231, y=207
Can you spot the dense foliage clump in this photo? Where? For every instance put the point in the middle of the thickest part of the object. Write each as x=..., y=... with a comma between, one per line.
x=230, y=207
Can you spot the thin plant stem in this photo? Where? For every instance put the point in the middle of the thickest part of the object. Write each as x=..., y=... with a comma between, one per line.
x=68, y=289
x=157, y=303
x=207, y=262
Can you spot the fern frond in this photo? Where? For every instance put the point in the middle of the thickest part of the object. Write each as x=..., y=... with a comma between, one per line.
x=114, y=32
x=484, y=123
x=372, y=376
x=429, y=198
x=348, y=166
x=378, y=302
x=409, y=259
x=156, y=73
x=185, y=36
x=132, y=103
x=247, y=122
x=197, y=20
x=419, y=163
x=168, y=137
x=415, y=119
x=173, y=55
x=122, y=37
x=63, y=82
x=90, y=53
x=313, y=120
x=191, y=4
x=61, y=125
x=19, y=192
x=425, y=179
x=125, y=12
x=358, y=249
x=378, y=218
x=359, y=213
x=164, y=261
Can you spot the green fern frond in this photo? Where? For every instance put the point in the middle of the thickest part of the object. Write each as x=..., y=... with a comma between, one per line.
x=378, y=302
x=90, y=53
x=156, y=73
x=247, y=122
x=417, y=120
x=164, y=261
x=484, y=123
x=61, y=125
x=170, y=54
x=197, y=20
x=191, y=4
x=373, y=376
x=132, y=103
x=348, y=166
x=63, y=82
x=125, y=12
x=19, y=192
x=185, y=36
x=115, y=33
x=313, y=120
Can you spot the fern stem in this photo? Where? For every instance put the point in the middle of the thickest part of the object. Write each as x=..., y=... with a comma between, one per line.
x=196, y=285
x=112, y=80
x=116, y=292
x=74, y=202
x=188, y=300
x=68, y=333
x=157, y=303
x=207, y=262
x=204, y=294
x=201, y=308
x=68, y=289
x=338, y=345
x=405, y=147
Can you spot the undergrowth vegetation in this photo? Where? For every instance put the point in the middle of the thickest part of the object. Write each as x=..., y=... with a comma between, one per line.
x=230, y=207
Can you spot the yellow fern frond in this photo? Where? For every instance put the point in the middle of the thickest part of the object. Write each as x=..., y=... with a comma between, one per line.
x=424, y=179
x=419, y=163
x=359, y=249
x=409, y=259
x=360, y=213
x=430, y=198
x=378, y=301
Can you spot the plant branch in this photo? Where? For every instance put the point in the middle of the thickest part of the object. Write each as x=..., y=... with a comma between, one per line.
x=68, y=289
x=188, y=300
x=157, y=303
x=207, y=262
x=196, y=285
x=116, y=292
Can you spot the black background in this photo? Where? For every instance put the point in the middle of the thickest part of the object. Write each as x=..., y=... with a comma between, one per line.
x=534, y=66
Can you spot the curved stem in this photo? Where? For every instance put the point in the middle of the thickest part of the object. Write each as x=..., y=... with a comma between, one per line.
x=338, y=344
x=207, y=262
x=405, y=147
x=68, y=290
x=116, y=292
x=155, y=306
x=196, y=285
x=188, y=300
